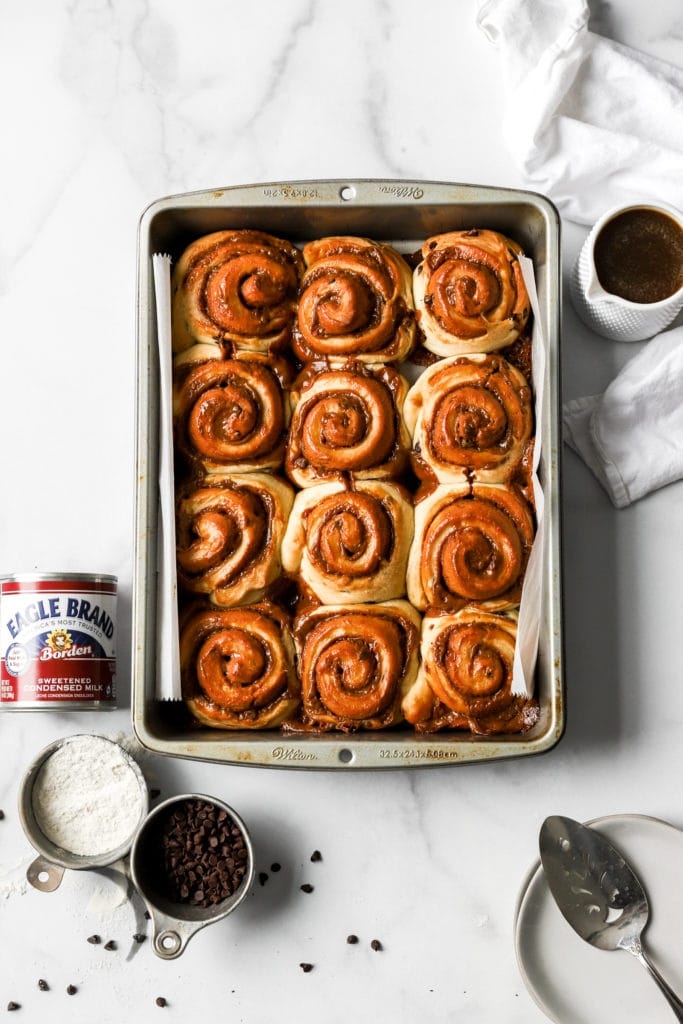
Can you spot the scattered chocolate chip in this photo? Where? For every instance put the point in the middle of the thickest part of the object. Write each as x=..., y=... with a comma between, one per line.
x=43, y=985
x=94, y=940
x=316, y=855
x=275, y=867
x=376, y=945
x=306, y=967
x=263, y=877
x=71, y=990
x=139, y=937
x=13, y=1006
x=110, y=945
x=352, y=939
x=160, y=1001
x=148, y=916
x=306, y=887
x=2, y=815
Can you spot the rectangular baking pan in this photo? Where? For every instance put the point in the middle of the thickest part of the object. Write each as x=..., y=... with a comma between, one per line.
x=403, y=213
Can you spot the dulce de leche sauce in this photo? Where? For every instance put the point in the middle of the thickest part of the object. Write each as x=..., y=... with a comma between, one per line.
x=639, y=255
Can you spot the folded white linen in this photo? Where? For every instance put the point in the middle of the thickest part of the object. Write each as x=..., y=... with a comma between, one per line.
x=592, y=123
x=631, y=436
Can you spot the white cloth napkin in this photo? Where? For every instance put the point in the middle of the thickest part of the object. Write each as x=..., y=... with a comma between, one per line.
x=592, y=123
x=632, y=435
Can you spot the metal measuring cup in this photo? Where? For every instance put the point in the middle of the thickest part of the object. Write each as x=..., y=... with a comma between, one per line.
x=173, y=923
x=47, y=870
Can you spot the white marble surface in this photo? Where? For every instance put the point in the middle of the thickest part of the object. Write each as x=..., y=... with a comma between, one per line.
x=109, y=104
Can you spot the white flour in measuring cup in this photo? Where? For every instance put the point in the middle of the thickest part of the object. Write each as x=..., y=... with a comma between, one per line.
x=87, y=797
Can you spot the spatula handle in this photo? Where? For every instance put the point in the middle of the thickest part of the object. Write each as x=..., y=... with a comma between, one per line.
x=671, y=997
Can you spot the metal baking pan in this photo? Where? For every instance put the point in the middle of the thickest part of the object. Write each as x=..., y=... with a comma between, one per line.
x=402, y=213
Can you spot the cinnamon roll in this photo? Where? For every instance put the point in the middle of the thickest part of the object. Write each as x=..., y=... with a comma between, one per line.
x=465, y=678
x=356, y=663
x=281, y=364
x=229, y=531
x=230, y=413
x=236, y=288
x=237, y=667
x=471, y=544
x=355, y=302
x=350, y=544
x=469, y=417
x=347, y=421
x=469, y=292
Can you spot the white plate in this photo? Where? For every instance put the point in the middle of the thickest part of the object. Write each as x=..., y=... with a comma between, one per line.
x=575, y=983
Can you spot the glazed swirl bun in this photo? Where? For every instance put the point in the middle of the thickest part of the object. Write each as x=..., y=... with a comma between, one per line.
x=355, y=302
x=469, y=292
x=229, y=531
x=470, y=417
x=230, y=413
x=347, y=420
x=235, y=287
x=350, y=545
x=236, y=667
x=470, y=544
x=466, y=675
x=356, y=664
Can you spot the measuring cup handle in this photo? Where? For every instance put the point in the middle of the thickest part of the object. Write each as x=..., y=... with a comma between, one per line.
x=43, y=875
x=671, y=997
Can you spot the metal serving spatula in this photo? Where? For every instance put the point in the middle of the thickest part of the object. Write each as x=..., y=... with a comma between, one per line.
x=597, y=892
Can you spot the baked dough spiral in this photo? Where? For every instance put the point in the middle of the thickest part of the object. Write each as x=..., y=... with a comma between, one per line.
x=356, y=664
x=466, y=673
x=236, y=667
x=350, y=544
x=229, y=532
x=355, y=302
x=347, y=421
x=470, y=544
x=237, y=288
x=230, y=413
x=469, y=292
x=469, y=417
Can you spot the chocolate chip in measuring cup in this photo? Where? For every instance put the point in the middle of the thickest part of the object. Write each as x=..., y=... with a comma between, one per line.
x=204, y=853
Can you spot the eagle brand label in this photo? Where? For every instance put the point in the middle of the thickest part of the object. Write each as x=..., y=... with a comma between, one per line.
x=58, y=642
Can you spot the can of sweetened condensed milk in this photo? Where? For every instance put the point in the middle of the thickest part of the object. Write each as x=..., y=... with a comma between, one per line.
x=58, y=642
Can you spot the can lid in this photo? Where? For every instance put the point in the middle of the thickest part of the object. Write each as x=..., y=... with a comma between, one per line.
x=37, y=577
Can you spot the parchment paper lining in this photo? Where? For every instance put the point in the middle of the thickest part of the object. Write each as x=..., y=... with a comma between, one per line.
x=168, y=660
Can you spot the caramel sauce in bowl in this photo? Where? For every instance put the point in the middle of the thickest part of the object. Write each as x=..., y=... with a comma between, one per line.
x=638, y=255
x=627, y=282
